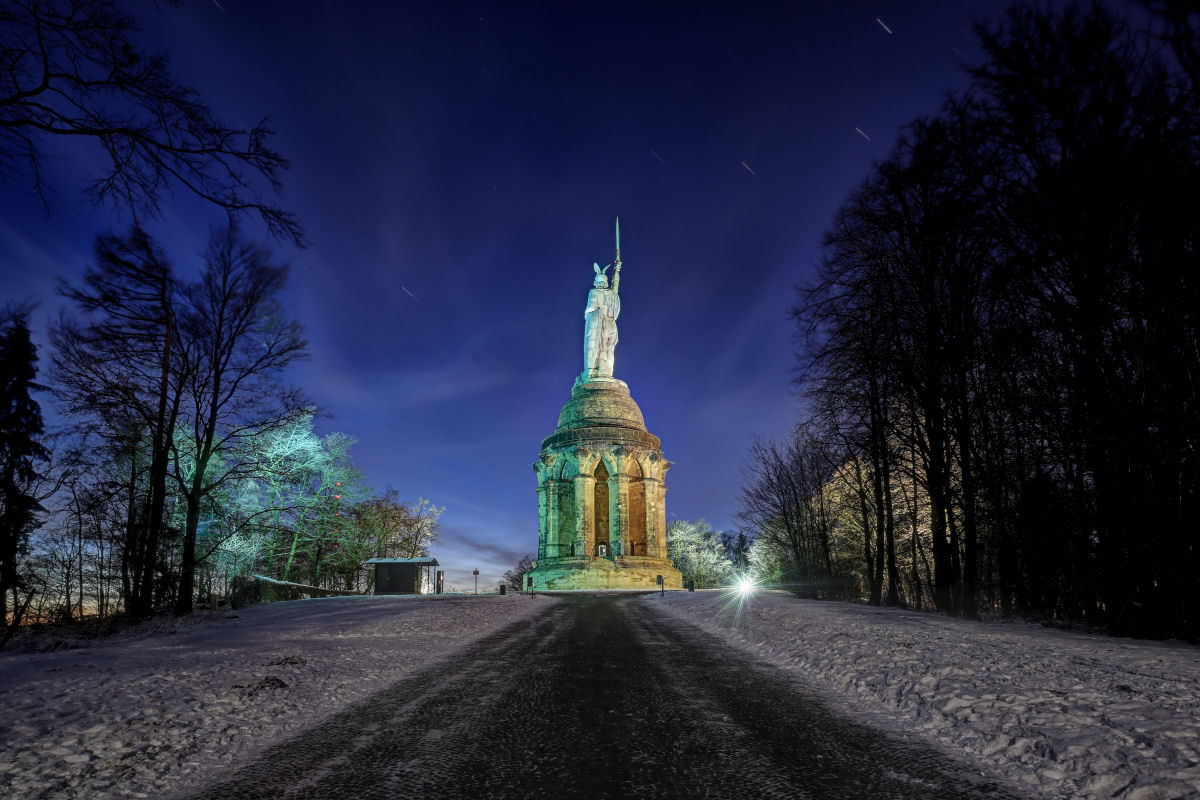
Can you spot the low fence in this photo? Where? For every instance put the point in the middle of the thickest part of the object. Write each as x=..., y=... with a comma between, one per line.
x=247, y=589
x=825, y=587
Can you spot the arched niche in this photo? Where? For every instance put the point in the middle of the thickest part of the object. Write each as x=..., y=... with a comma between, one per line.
x=564, y=468
x=600, y=511
x=564, y=542
x=637, y=509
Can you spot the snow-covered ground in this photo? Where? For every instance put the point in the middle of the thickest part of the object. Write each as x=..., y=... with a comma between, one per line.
x=1072, y=715
x=141, y=714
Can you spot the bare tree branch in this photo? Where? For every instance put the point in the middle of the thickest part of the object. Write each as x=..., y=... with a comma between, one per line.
x=69, y=69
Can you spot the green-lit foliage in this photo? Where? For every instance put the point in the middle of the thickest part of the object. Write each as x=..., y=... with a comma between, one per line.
x=289, y=456
x=322, y=521
x=310, y=500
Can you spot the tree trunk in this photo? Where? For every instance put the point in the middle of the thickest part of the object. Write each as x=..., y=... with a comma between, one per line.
x=970, y=541
x=162, y=433
x=187, y=567
x=131, y=558
x=893, y=575
x=877, y=468
x=868, y=560
x=935, y=484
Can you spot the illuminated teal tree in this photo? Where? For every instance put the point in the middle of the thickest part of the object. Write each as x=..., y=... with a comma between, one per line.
x=297, y=470
x=310, y=502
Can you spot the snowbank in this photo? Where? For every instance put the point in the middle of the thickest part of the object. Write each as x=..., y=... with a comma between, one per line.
x=134, y=717
x=1072, y=715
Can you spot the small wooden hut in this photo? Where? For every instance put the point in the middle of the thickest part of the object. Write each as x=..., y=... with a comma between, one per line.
x=404, y=575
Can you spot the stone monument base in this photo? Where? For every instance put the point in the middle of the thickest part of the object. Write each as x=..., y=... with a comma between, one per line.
x=620, y=572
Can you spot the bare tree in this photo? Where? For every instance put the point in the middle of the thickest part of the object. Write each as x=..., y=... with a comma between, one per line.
x=1004, y=330
x=515, y=577
x=784, y=502
x=69, y=70
x=1178, y=24
x=1098, y=225
x=120, y=370
x=238, y=339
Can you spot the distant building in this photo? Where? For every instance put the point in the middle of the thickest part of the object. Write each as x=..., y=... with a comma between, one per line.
x=404, y=575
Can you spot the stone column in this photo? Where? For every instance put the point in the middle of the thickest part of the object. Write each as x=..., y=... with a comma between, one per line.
x=553, y=545
x=660, y=517
x=585, y=499
x=543, y=522
x=618, y=514
x=652, y=506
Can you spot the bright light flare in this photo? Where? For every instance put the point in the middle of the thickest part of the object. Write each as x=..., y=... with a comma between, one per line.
x=739, y=595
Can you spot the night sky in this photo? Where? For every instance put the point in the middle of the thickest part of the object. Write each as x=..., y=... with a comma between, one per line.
x=458, y=168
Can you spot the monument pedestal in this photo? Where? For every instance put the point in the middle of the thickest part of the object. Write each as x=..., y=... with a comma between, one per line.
x=602, y=573
x=601, y=513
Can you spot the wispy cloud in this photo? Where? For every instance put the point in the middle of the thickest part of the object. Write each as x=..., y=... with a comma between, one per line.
x=484, y=547
x=415, y=385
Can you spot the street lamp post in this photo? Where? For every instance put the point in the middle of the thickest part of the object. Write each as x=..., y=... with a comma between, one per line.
x=475, y=572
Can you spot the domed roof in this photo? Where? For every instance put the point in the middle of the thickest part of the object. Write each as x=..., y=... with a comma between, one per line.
x=601, y=410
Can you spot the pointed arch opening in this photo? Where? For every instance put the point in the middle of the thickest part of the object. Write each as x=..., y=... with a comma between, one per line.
x=637, y=511
x=600, y=511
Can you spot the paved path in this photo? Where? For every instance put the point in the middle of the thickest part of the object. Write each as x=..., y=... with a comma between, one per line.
x=598, y=697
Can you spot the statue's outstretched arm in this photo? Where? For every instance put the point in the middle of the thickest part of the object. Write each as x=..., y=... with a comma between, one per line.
x=616, y=281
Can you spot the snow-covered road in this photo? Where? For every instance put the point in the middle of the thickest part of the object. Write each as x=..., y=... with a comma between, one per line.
x=599, y=700
x=141, y=716
x=1072, y=715
x=1069, y=714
